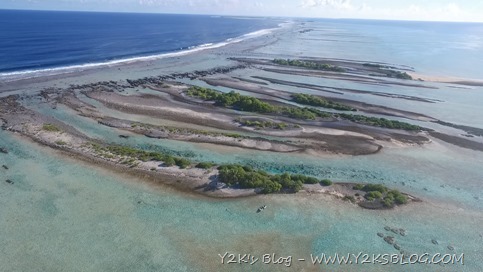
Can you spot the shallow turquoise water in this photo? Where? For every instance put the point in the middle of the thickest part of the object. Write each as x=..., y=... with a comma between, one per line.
x=61, y=214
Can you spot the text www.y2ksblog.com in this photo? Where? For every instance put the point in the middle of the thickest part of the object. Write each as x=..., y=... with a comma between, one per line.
x=346, y=259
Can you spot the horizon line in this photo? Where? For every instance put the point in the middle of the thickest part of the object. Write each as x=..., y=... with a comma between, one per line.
x=246, y=16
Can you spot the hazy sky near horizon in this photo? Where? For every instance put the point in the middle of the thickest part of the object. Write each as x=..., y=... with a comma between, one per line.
x=434, y=10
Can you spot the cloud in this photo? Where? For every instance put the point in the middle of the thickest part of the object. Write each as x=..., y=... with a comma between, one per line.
x=335, y=4
x=191, y=3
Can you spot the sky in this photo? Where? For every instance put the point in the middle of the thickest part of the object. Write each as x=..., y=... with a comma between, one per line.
x=420, y=10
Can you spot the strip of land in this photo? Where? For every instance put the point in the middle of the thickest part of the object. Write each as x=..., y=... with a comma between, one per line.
x=202, y=177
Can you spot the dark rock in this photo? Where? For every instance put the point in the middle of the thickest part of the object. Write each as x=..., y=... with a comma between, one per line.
x=397, y=247
x=450, y=247
x=123, y=136
x=387, y=228
x=380, y=234
x=3, y=150
x=9, y=181
x=434, y=241
x=389, y=239
x=394, y=230
x=5, y=167
x=402, y=232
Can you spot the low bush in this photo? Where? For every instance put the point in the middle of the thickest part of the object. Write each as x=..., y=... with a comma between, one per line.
x=50, y=128
x=205, y=165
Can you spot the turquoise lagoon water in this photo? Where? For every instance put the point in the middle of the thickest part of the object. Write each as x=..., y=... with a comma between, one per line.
x=61, y=214
x=446, y=49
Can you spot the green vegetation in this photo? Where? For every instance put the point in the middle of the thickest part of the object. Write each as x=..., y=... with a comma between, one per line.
x=358, y=187
x=379, y=122
x=169, y=161
x=247, y=177
x=389, y=198
x=397, y=74
x=182, y=162
x=326, y=182
x=374, y=187
x=373, y=195
x=133, y=154
x=60, y=142
x=50, y=128
x=312, y=100
x=309, y=65
x=263, y=124
x=394, y=197
x=305, y=179
x=176, y=130
x=205, y=165
x=304, y=113
x=232, y=100
x=251, y=104
x=375, y=65
x=388, y=71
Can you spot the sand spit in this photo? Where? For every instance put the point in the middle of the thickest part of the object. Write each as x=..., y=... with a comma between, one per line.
x=235, y=140
x=458, y=141
x=158, y=107
x=448, y=80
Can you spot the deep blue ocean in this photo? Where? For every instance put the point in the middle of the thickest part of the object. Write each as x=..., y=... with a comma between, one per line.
x=33, y=40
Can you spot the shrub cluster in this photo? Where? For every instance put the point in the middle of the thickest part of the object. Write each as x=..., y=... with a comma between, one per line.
x=375, y=65
x=252, y=104
x=309, y=64
x=247, y=177
x=304, y=113
x=312, y=100
x=50, y=128
x=397, y=74
x=263, y=124
x=176, y=130
x=232, y=100
x=389, y=198
x=389, y=72
x=142, y=155
x=205, y=165
x=378, y=122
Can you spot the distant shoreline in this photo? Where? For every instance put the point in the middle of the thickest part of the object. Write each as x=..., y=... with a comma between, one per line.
x=29, y=74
